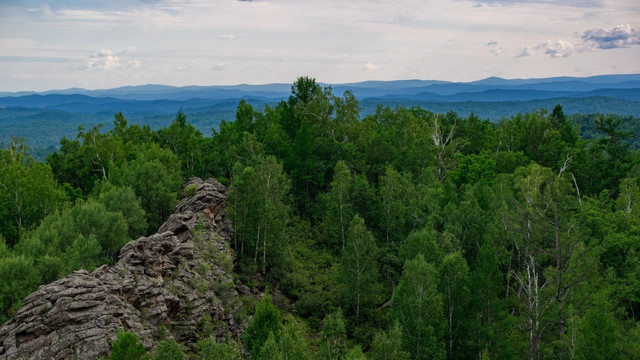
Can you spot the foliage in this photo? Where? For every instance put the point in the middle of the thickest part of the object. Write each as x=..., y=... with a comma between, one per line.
x=208, y=349
x=439, y=235
x=127, y=347
x=333, y=344
x=28, y=192
x=19, y=279
x=388, y=345
x=169, y=350
x=417, y=305
x=266, y=321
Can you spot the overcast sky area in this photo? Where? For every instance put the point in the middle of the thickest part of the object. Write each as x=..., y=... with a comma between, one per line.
x=104, y=44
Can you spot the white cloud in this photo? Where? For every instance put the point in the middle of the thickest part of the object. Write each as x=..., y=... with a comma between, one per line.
x=494, y=48
x=105, y=59
x=557, y=48
x=333, y=40
x=370, y=67
x=621, y=36
x=524, y=52
x=553, y=48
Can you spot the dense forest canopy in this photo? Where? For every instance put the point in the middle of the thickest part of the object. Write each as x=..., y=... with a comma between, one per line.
x=401, y=234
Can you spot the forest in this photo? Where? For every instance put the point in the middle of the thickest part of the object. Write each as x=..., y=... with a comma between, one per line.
x=403, y=234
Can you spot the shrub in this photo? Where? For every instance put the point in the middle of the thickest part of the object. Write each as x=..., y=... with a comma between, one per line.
x=127, y=347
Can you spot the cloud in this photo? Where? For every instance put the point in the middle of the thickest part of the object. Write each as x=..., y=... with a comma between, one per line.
x=621, y=36
x=227, y=36
x=556, y=49
x=495, y=49
x=574, y=3
x=370, y=67
x=524, y=52
x=105, y=59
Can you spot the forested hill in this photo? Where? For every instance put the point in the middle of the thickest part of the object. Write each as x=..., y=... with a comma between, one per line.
x=60, y=112
x=399, y=234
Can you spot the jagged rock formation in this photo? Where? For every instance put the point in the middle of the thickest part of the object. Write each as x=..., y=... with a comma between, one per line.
x=176, y=284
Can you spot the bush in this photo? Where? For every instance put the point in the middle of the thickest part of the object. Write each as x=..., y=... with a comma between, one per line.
x=127, y=347
x=169, y=350
x=209, y=349
x=266, y=320
x=190, y=190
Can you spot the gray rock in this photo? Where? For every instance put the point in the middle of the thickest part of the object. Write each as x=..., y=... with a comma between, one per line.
x=176, y=284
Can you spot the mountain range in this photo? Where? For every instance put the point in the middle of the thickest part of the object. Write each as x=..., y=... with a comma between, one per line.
x=43, y=117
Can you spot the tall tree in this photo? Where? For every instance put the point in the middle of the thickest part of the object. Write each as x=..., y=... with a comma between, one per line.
x=265, y=321
x=387, y=345
x=359, y=268
x=338, y=205
x=454, y=283
x=333, y=344
x=259, y=208
x=28, y=192
x=184, y=141
x=154, y=176
x=417, y=305
x=396, y=193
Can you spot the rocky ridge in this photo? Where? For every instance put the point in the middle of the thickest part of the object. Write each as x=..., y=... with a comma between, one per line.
x=175, y=284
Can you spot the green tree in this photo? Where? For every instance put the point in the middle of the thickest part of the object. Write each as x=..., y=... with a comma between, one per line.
x=417, y=306
x=123, y=199
x=355, y=354
x=425, y=242
x=617, y=155
x=339, y=211
x=598, y=333
x=303, y=165
x=91, y=219
x=154, y=176
x=333, y=343
x=208, y=349
x=396, y=194
x=454, y=283
x=292, y=343
x=84, y=253
x=486, y=283
x=28, y=192
x=99, y=152
x=387, y=345
x=184, y=141
x=266, y=320
x=260, y=211
x=127, y=347
x=20, y=278
x=169, y=350
x=359, y=269
x=270, y=349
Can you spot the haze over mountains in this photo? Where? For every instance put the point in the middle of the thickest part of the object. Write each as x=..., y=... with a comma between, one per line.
x=43, y=117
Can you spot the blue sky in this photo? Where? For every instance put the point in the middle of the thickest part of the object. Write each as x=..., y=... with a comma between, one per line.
x=103, y=44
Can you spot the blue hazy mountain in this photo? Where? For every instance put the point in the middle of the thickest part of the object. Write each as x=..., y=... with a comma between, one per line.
x=43, y=117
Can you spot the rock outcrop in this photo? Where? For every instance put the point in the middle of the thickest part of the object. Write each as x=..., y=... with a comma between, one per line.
x=176, y=284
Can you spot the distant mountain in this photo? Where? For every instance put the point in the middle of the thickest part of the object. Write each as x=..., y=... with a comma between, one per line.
x=44, y=117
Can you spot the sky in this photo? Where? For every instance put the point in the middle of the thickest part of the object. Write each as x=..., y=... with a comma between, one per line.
x=104, y=44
